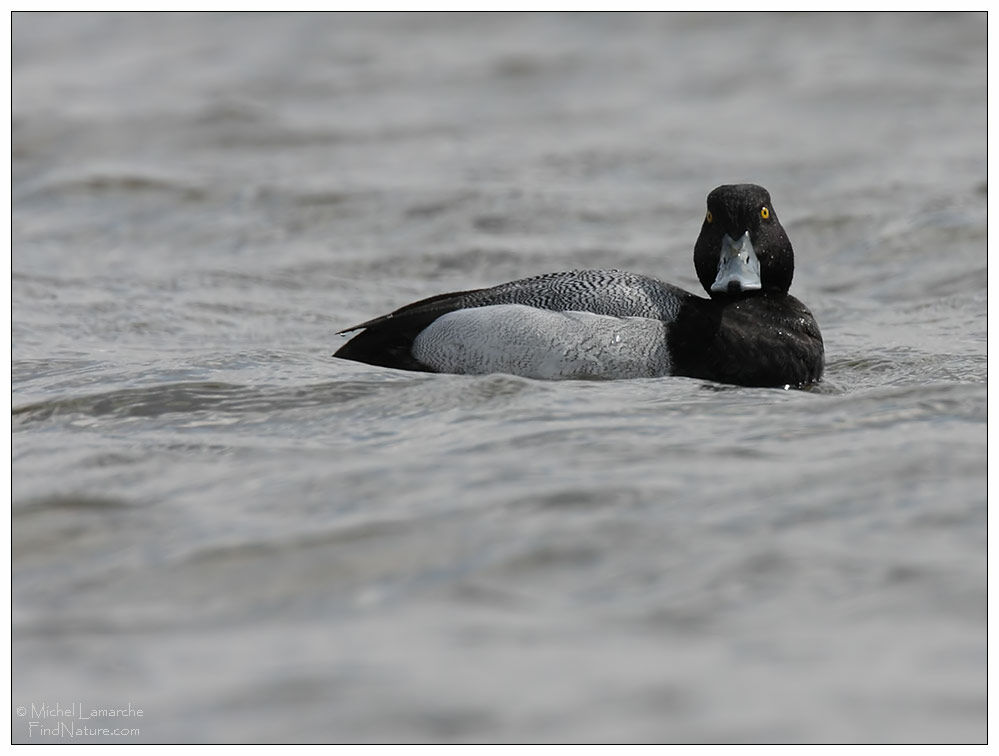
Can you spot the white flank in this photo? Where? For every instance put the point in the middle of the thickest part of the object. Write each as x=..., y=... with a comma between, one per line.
x=534, y=343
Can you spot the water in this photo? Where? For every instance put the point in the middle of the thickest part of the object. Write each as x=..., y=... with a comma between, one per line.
x=216, y=522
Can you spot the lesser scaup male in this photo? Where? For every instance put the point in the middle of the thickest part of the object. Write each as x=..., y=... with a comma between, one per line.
x=613, y=324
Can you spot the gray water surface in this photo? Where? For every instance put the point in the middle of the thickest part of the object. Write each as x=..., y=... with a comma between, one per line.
x=218, y=523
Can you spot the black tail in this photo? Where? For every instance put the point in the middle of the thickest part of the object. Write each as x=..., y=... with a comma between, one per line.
x=386, y=345
x=388, y=340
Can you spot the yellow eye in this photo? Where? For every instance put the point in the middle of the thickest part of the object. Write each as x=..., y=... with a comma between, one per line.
x=709, y=217
x=765, y=213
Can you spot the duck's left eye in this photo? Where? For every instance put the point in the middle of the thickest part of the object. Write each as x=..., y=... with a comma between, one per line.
x=709, y=217
x=765, y=213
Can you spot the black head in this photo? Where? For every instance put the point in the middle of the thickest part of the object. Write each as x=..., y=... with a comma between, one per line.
x=734, y=210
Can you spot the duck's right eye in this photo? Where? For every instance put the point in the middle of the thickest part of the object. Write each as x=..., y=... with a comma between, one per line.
x=709, y=217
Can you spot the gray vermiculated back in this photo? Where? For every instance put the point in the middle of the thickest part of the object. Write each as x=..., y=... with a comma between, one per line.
x=604, y=292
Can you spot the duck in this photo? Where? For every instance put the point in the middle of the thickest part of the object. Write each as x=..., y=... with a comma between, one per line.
x=613, y=324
